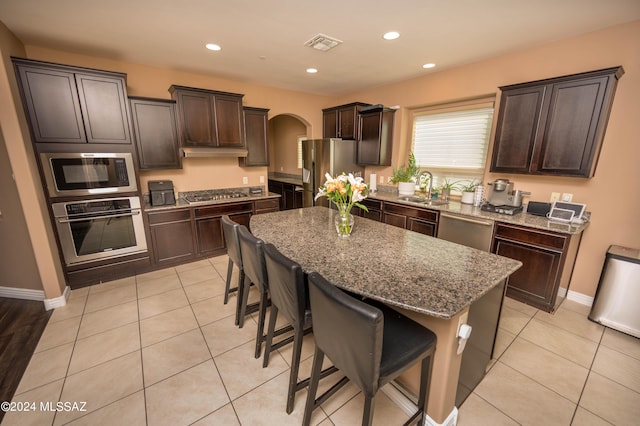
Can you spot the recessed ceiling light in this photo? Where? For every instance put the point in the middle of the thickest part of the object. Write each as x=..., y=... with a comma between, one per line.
x=391, y=35
x=312, y=70
x=428, y=65
x=212, y=46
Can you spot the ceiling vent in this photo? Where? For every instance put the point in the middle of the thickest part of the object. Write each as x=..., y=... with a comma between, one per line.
x=323, y=42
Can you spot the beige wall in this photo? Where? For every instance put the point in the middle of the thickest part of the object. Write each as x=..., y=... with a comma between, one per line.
x=612, y=195
x=36, y=240
x=283, y=141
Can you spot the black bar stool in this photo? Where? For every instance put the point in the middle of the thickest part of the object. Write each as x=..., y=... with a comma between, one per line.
x=288, y=290
x=371, y=345
x=230, y=231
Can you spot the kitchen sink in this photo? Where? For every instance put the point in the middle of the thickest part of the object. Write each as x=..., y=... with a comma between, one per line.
x=422, y=200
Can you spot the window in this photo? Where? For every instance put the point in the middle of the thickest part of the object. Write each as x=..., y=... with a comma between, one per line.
x=451, y=140
x=300, y=139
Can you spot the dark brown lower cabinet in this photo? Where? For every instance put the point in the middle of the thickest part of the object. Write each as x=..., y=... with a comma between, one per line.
x=374, y=209
x=266, y=206
x=208, y=225
x=547, y=263
x=416, y=219
x=171, y=236
x=291, y=194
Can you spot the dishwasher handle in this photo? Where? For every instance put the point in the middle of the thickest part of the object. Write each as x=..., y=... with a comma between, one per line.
x=466, y=219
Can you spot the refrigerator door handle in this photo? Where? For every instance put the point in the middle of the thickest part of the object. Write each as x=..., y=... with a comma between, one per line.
x=306, y=175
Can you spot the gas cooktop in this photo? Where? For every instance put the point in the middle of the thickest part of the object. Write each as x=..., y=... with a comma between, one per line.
x=201, y=197
x=509, y=210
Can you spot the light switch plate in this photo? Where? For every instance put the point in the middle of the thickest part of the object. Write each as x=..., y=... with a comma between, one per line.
x=245, y=180
x=555, y=196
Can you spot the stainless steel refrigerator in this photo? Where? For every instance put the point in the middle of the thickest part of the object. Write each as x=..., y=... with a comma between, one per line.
x=320, y=156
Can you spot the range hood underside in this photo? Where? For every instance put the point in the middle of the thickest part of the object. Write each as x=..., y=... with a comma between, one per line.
x=214, y=152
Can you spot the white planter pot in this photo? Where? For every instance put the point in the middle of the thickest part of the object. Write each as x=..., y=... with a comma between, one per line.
x=406, y=188
x=467, y=198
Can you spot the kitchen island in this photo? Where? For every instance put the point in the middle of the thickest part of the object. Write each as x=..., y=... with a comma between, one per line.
x=435, y=282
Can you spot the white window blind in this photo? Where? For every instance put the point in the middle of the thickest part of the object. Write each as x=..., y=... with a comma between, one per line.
x=452, y=141
x=300, y=139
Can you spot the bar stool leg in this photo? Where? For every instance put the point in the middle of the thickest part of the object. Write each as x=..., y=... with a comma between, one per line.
x=318, y=357
x=262, y=314
x=273, y=316
x=295, y=366
x=227, y=286
x=242, y=301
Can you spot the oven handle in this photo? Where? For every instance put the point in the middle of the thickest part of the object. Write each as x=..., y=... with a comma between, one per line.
x=133, y=213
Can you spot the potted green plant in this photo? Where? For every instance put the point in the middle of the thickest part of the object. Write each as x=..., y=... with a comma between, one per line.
x=446, y=188
x=468, y=191
x=405, y=176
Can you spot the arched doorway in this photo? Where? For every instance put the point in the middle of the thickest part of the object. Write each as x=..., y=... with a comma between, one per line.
x=285, y=132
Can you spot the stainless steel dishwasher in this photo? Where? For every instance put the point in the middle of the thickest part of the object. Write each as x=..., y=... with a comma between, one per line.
x=465, y=230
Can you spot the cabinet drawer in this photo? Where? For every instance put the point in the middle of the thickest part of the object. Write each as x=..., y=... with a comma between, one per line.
x=169, y=216
x=222, y=209
x=372, y=204
x=418, y=213
x=273, y=203
x=533, y=237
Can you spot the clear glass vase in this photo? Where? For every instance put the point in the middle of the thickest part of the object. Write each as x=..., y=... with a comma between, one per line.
x=344, y=222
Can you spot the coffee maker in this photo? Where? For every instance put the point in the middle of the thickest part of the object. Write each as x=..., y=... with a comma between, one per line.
x=504, y=199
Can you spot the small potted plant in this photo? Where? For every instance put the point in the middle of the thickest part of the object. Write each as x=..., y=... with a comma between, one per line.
x=405, y=176
x=468, y=191
x=446, y=188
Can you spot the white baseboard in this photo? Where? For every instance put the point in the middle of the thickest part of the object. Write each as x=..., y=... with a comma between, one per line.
x=57, y=302
x=38, y=295
x=409, y=408
x=583, y=299
x=21, y=293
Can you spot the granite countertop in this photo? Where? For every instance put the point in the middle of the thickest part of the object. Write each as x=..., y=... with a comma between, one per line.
x=386, y=263
x=182, y=203
x=523, y=218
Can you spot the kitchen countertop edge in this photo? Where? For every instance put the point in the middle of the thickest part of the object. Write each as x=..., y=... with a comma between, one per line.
x=181, y=203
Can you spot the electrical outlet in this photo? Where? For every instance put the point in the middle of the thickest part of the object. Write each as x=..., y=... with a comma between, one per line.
x=245, y=180
x=555, y=196
x=381, y=179
x=462, y=320
x=566, y=197
x=261, y=179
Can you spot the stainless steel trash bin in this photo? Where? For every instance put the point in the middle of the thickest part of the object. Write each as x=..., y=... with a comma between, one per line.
x=617, y=301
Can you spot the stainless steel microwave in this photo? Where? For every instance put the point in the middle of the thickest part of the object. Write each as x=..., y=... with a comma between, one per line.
x=72, y=174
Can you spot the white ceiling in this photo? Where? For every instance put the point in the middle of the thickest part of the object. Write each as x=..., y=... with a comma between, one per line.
x=263, y=41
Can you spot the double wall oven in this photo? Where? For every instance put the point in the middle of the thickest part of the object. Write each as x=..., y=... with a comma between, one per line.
x=92, y=221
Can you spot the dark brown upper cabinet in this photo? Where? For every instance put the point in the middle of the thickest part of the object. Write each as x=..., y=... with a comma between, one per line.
x=155, y=133
x=554, y=126
x=376, y=137
x=208, y=118
x=256, y=131
x=67, y=104
x=341, y=121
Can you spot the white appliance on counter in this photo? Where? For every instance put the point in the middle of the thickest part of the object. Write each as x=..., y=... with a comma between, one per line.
x=321, y=156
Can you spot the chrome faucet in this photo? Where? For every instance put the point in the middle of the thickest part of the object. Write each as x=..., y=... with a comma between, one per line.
x=430, y=182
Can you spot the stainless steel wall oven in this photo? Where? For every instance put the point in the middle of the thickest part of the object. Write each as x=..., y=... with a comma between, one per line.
x=88, y=174
x=99, y=229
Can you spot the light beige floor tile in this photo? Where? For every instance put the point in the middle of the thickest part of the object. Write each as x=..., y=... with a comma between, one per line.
x=78, y=294
x=102, y=385
x=223, y=335
x=161, y=303
x=503, y=339
x=186, y=397
x=308, y=347
x=621, y=342
x=151, y=287
x=219, y=260
x=167, y=325
x=58, y=333
x=173, y=355
x=205, y=289
x=156, y=275
x=196, y=275
x=576, y=307
x=192, y=265
x=109, y=318
x=242, y=372
x=104, y=346
x=49, y=392
x=326, y=422
x=214, y=309
x=513, y=320
x=111, y=297
x=553, y=371
x=561, y=342
x=522, y=399
x=223, y=416
x=112, y=285
x=46, y=367
x=530, y=311
x=72, y=309
x=475, y=411
x=618, y=367
x=271, y=397
x=128, y=411
x=573, y=322
x=385, y=412
x=587, y=418
x=610, y=400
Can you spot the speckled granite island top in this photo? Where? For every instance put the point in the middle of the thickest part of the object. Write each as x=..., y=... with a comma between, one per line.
x=390, y=264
